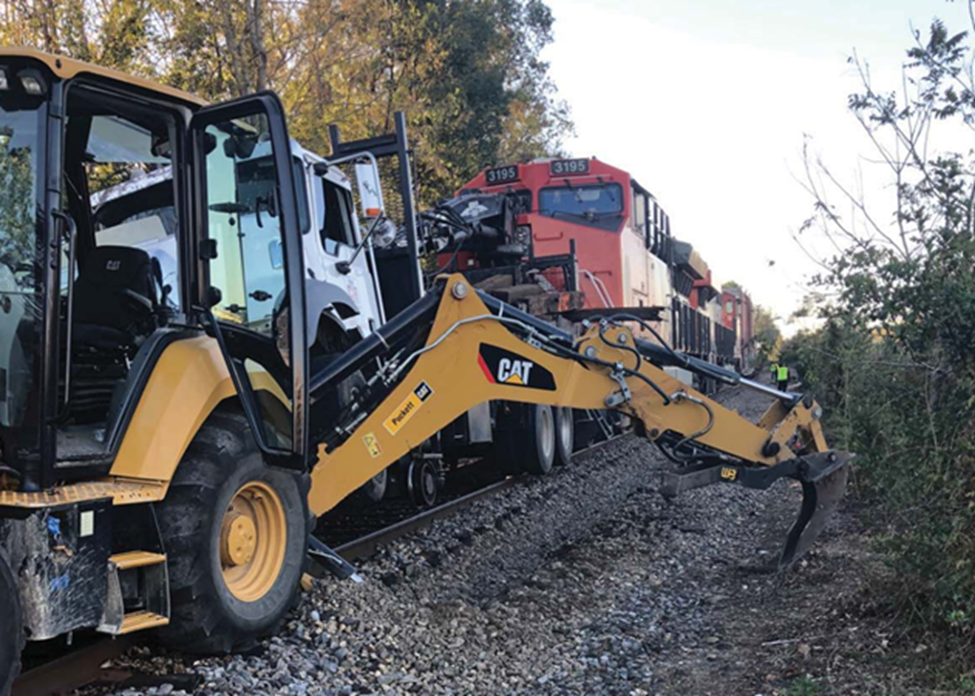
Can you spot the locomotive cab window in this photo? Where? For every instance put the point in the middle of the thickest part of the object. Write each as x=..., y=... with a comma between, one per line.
x=598, y=205
x=520, y=201
x=638, y=213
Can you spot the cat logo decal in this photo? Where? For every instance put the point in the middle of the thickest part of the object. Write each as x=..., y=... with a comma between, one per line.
x=502, y=366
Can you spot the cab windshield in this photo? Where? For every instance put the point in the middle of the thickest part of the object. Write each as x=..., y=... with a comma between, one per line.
x=589, y=204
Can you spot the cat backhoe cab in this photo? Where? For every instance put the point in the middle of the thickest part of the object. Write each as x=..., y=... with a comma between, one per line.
x=176, y=353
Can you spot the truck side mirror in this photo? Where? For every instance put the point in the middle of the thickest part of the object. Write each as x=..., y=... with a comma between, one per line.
x=370, y=190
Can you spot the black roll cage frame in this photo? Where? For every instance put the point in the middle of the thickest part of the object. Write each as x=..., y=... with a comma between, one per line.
x=39, y=469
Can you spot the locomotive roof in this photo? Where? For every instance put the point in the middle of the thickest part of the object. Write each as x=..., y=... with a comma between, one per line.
x=686, y=255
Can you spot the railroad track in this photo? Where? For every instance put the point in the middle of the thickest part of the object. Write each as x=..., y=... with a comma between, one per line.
x=369, y=544
x=83, y=666
x=75, y=669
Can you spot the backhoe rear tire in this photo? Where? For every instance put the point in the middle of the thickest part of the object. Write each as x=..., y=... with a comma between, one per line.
x=12, y=621
x=236, y=534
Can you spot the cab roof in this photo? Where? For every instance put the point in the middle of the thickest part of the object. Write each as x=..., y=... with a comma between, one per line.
x=67, y=68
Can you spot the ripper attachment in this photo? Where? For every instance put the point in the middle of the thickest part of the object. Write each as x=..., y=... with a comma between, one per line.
x=823, y=477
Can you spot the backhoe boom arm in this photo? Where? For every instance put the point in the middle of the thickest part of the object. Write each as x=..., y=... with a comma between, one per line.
x=474, y=353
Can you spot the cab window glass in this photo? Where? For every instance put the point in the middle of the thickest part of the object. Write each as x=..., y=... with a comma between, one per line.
x=242, y=195
x=244, y=218
x=130, y=192
x=639, y=213
x=335, y=222
x=20, y=294
x=581, y=201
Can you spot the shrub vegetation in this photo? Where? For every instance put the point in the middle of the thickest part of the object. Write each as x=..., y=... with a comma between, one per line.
x=894, y=363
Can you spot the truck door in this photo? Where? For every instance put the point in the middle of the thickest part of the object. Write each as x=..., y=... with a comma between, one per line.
x=251, y=266
x=343, y=266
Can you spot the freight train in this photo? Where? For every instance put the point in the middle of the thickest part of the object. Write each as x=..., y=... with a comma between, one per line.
x=576, y=238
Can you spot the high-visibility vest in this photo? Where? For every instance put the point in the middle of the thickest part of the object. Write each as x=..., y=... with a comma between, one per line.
x=775, y=370
x=783, y=373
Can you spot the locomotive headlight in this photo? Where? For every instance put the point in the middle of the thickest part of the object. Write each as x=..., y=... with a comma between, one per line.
x=523, y=235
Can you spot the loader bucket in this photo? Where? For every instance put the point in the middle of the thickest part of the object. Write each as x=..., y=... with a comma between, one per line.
x=822, y=491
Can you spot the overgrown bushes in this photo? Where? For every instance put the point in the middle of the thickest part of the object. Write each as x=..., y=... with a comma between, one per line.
x=894, y=363
x=912, y=428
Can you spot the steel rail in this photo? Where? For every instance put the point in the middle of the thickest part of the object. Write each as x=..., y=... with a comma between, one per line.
x=74, y=670
x=369, y=544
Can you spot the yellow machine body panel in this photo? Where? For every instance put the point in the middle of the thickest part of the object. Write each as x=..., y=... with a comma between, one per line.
x=121, y=491
x=471, y=358
x=187, y=383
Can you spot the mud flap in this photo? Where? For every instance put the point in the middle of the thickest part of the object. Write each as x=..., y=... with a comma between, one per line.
x=819, y=499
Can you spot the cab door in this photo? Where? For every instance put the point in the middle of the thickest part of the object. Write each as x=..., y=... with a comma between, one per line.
x=251, y=266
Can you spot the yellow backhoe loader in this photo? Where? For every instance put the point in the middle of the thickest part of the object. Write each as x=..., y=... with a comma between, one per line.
x=174, y=410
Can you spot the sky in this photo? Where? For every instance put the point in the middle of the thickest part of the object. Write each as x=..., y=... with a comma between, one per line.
x=707, y=104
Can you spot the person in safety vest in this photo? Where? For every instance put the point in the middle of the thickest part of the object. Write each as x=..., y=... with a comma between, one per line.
x=782, y=376
x=775, y=372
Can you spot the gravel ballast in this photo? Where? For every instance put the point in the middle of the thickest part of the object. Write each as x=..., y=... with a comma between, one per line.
x=586, y=581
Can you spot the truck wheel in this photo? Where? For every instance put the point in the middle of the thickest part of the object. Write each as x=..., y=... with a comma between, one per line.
x=525, y=440
x=565, y=435
x=236, y=533
x=538, y=449
x=422, y=483
x=12, y=620
x=374, y=490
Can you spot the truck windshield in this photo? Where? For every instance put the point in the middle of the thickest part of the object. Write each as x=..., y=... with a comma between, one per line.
x=20, y=301
x=582, y=201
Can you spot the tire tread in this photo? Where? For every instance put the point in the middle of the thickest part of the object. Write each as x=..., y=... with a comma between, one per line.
x=198, y=625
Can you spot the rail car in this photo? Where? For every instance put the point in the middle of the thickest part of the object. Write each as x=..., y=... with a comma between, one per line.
x=588, y=231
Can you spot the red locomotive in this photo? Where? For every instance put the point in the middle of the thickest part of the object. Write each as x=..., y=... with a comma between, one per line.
x=578, y=237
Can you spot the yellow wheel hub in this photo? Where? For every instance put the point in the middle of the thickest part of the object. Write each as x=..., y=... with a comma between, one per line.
x=238, y=540
x=253, y=537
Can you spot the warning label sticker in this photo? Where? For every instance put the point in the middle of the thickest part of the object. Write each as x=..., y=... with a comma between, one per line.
x=372, y=444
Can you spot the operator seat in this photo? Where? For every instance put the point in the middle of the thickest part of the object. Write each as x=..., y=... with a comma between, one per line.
x=115, y=296
x=116, y=305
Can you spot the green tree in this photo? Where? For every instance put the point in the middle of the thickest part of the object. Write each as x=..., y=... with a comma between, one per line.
x=768, y=338
x=468, y=74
